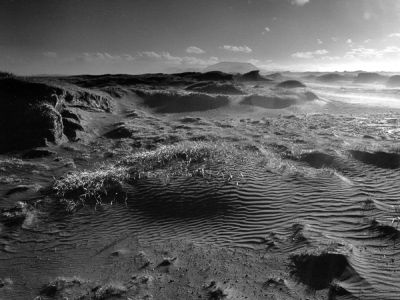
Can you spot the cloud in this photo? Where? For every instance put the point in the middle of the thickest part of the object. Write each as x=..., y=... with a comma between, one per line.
x=349, y=41
x=267, y=29
x=300, y=2
x=167, y=58
x=194, y=50
x=310, y=54
x=244, y=49
x=149, y=54
x=50, y=54
x=394, y=35
x=162, y=58
x=372, y=53
x=320, y=42
x=97, y=56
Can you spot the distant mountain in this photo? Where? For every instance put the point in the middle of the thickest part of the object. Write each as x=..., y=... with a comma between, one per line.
x=231, y=67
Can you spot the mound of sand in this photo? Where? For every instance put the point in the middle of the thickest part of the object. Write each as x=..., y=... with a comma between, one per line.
x=370, y=78
x=252, y=76
x=232, y=67
x=330, y=77
x=318, y=160
x=393, y=81
x=211, y=87
x=379, y=159
x=280, y=99
x=35, y=113
x=290, y=84
x=273, y=102
x=174, y=102
x=275, y=76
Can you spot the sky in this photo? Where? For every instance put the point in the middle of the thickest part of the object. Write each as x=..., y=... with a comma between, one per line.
x=148, y=36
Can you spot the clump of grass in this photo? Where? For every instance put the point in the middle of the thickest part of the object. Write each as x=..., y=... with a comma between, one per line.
x=91, y=187
x=190, y=159
x=185, y=158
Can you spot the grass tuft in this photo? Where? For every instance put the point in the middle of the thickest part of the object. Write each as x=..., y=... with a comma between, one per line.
x=190, y=159
x=91, y=187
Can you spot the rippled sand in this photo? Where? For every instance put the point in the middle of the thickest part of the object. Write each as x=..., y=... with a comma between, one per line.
x=310, y=215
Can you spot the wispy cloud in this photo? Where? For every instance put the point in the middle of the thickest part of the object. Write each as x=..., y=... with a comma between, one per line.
x=372, y=53
x=166, y=57
x=310, y=54
x=97, y=56
x=320, y=42
x=149, y=54
x=195, y=50
x=267, y=29
x=244, y=49
x=300, y=2
x=163, y=57
x=394, y=35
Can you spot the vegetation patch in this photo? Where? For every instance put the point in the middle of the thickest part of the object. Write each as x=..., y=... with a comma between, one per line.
x=105, y=184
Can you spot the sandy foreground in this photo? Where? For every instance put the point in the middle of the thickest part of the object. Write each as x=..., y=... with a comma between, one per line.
x=215, y=245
